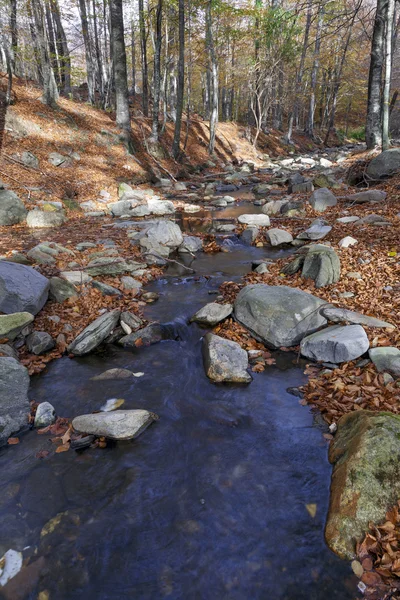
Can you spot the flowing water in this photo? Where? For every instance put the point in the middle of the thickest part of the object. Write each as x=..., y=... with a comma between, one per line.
x=208, y=503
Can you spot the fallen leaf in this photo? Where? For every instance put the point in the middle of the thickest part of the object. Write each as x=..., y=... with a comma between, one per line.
x=311, y=509
x=12, y=441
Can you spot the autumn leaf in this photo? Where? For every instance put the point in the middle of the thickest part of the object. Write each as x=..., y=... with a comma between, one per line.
x=62, y=448
x=12, y=441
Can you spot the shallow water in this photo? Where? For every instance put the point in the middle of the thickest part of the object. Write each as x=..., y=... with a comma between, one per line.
x=208, y=503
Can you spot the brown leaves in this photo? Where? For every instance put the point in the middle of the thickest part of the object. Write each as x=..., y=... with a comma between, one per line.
x=12, y=441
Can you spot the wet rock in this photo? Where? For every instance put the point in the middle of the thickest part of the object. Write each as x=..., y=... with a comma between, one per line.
x=41, y=218
x=12, y=209
x=12, y=324
x=338, y=315
x=336, y=344
x=94, y=334
x=386, y=358
x=149, y=297
x=22, y=289
x=224, y=360
x=152, y=334
x=219, y=202
x=367, y=196
x=211, y=314
x=132, y=320
x=191, y=244
x=105, y=289
x=61, y=290
x=112, y=374
x=255, y=220
x=322, y=199
x=117, y=425
x=278, y=315
x=39, y=342
x=347, y=241
x=384, y=165
x=11, y=565
x=76, y=277
x=366, y=477
x=45, y=415
x=14, y=403
x=249, y=235
x=277, y=237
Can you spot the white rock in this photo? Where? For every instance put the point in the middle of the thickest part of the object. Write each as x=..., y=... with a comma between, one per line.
x=258, y=220
x=12, y=566
x=117, y=425
x=347, y=241
x=276, y=237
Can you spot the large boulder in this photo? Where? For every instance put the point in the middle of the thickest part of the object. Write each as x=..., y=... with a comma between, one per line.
x=161, y=234
x=335, y=344
x=12, y=210
x=95, y=333
x=160, y=207
x=117, y=425
x=385, y=164
x=277, y=237
x=318, y=262
x=211, y=314
x=14, y=403
x=22, y=289
x=386, y=358
x=254, y=220
x=366, y=476
x=190, y=245
x=11, y=325
x=278, y=315
x=42, y=218
x=322, y=199
x=224, y=360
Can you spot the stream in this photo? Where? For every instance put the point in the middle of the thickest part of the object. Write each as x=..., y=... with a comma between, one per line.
x=208, y=503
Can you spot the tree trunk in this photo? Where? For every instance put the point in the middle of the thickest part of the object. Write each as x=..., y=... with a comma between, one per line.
x=14, y=34
x=373, y=129
x=181, y=80
x=309, y=129
x=213, y=70
x=7, y=57
x=133, y=57
x=52, y=44
x=157, y=75
x=123, y=118
x=50, y=91
x=62, y=48
x=388, y=75
x=143, y=49
x=99, y=59
x=88, y=52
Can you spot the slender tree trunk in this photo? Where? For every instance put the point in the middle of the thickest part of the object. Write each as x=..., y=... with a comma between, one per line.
x=35, y=42
x=373, y=129
x=7, y=57
x=314, y=73
x=133, y=57
x=50, y=91
x=123, y=118
x=143, y=50
x=213, y=70
x=90, y=74
x=99, y=59
x=14, y=34
x=181, y=80
x=62, y=48
x=388, y=75
x=157, y=75
x=52, y=43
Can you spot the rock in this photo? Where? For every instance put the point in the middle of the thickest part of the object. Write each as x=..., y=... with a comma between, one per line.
x=132, y=320
x=261, y=189
x=336, y=344
x=152, y=334
x=347, y=241
x=190, y=245
x=278, y=315
x=41, y=218
x=228, y=199
x=39, y=342
x=57, y=159
x=94, y=334
x=255, y=220
x=122, y=207
x=160, y=207
x=338, y=315
x=322, y=199
x=6, y=350
x=384, y=165
x=348, y=219
x=45, y=415
x=11, y=564
x=12, y=324
x=318, y=262
x=61, y=290
x=105, y=289
x=161, y=233
x=293, y=208
x=211, y=314
x=179, y=186
x=84, y=246
x=354, y=275
x=372, y=219
x=37, y=255
x=30, y=160
x=325, y=181
x=123, y=188
x=263, y=268
x=113, y=374
x=277, y=237
x=117, y=425
x=249, y=235
x=12, y=210
x=325, y=163
x=76, y=277
x=129, y=283
x=386, y=358
x=17, y=257
x=14, y=403
x=22, y=289
x=301, y=188
x=224, y=360
x=317, y=231
x=366, y=477
x=107, y=265
x=219, y=202
x=273, y=207
x=367, y=196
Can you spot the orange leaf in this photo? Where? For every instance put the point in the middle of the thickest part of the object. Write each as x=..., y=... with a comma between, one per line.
x=13, y=441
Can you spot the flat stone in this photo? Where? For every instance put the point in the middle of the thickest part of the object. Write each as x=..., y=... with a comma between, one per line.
x=131, y=320
x=257, y=220
x=211, y=314
x=39, y=342
x=335, y=344
x=386, y=358
x=338, y=315
x=107, y=265
x=277, y=237
x=76, y=277
x=317, y=231
x=224, y=360
x=322, y=199
x=347, y=241
x=152, y=334
x=117, y=425
x=367, y=196
x=45, y=415
x=94, y=334
x=12, y=324
x=105, y=289
x=22, y=289
x=348, y=219
x=129, y=283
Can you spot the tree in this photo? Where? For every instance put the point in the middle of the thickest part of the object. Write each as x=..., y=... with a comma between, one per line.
x=181, y=81
x=373, y=130
x=90, y=72
x=50, y=91
x=388, y=73
x=213, y=77
x=157, y=74
x=143, y=52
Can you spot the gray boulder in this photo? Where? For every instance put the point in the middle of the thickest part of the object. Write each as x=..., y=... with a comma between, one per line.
x=277, y=237
x=12, y=210
x=335, y=344
x=123, y=207
x=161, y=234
x=160, y=207
x=39, y=342
x=22, y=289
x=61, y=290
x=386, y=358
x=105, y=289
x=339, y=315
x=322, y=199
x=191, y=244
x=131, y=320
x=107, y=265
x=249, y=235
x=384, y=165
x=254, y=220
x=317, y=231
x=14, y=403
x=12, y=324
x=224, y=360
x=318, y=262
x=152, y=334
x=117, y=425
x=76, y=277
x=278, y=315
x=42, y=218
x=367, y=196
x=211, y=314
x=95, y=333
x=45, y=415
x=7, y=350
x=273, y=207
